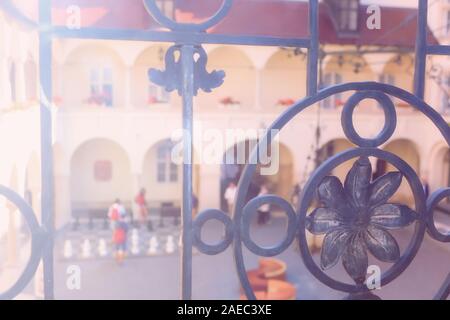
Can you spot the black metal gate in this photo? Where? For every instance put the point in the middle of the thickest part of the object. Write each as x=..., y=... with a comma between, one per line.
x=347, y=235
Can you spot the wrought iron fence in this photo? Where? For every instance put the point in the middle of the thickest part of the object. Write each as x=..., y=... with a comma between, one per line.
x=355, y=217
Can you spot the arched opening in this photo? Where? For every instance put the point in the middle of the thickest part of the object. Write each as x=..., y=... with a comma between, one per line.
x=144, y=92
x=332, y=148
x=162, y=175
x=61, y=178
x=399, y=72
x=162, y=178
x=440, y=175
x=238, y=91
x=283, y=79
x=278, y=178
x=30, y=80
x=12, y=81
x=99, y=73
x=406, y=150
x=32, y=190
x=100, y=173
x=15, y=244
x=12, y=223
x=340, y=69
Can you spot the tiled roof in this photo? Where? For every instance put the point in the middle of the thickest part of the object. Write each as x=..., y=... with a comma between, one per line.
x=251, y=17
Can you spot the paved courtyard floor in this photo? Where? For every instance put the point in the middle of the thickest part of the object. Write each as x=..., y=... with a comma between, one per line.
x=214, y=277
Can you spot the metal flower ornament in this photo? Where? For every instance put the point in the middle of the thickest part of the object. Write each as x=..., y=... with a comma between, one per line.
x=356, y=217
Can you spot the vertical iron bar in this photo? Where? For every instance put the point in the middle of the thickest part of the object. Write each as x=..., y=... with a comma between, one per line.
x=313, y=51
x=421, y=49
x=45, y=75
x=187, y=62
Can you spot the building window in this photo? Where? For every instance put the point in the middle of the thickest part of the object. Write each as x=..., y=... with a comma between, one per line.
x=31, y=80
x=387, y=78
x=101, y=86
x=345, y=14
x=157, y=94
x=167, y=8
x=166, y=170
x=349, y=15
x=103, y=171
x=331, y=79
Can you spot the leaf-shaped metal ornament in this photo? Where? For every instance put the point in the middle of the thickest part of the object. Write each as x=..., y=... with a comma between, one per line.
x=384, y=187
x=331, y=194
x=392, y=216
x=381, y=244
x=334, y=244
x=357, y=182
x=355, y=259
x=170, y=78
x=203, y=79
x=323, y=220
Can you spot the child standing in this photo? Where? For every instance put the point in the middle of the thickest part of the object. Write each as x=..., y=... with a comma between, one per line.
x=118, y=215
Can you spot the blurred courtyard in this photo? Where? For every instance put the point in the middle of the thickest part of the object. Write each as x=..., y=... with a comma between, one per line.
x=111, y=158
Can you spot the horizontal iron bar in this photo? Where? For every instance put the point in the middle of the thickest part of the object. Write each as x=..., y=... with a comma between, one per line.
x=176, y=37
x=439, y=50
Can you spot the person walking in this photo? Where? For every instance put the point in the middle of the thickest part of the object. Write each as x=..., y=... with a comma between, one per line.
x=118, y=215
x=425, y=186
x=142, y=206
x=194, y=205
x=230, y=195
x=295, y=195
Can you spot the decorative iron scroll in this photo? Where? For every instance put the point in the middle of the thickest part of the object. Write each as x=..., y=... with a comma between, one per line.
x=355, y=217
x=172, y=77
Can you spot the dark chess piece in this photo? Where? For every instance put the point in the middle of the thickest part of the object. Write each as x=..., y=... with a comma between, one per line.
x=76, y=224
x=91, y=223
x=105, y=224
x=150, y=226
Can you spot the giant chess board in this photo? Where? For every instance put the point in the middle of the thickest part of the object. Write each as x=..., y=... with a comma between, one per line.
x=95, y=242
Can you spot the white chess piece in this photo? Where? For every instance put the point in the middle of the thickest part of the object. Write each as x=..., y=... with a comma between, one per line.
x=68, y=249
x=86, y=249
x=102, y=248
x=135, y=242
x=170, y=244
x=153, y=245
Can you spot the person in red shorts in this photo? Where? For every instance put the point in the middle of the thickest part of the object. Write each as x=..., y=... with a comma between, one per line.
x=142, y=206
x=118, y=215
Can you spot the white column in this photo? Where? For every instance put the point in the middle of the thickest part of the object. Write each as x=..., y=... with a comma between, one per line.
x=20, y=82
x=127, y=86
x=136, y=187
x=4, y=84
x=63, y=206
x=258, y=105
